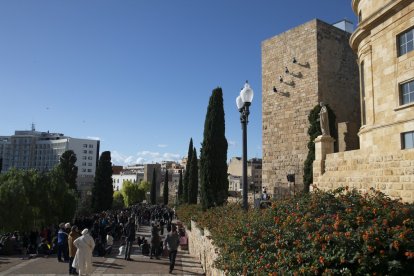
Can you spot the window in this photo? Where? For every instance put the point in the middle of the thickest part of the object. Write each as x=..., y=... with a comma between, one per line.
x=85, y=145
x=90, y=164
x=85, y=151
x=406, y=42
x=83, y=157
x=83, y=163
x=90, y=146
x=407, y=140
x=407, y=92
x=89, y=170
x=91, y=152
x=89, y=157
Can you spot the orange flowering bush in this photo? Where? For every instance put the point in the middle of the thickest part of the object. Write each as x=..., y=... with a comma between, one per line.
x=340, y=232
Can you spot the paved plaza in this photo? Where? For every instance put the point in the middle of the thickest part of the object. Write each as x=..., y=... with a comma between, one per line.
x=109, y=265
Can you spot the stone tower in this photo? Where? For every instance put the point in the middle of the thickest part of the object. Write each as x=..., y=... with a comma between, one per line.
x=300, y=68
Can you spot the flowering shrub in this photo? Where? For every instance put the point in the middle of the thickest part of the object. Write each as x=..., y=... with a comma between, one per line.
x=339, y=232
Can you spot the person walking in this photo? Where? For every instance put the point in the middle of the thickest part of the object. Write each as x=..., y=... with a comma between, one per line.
x=172, y=241
x=83, y=256
x=130, y=238
x=73, y=235
x=62, y=244
x=155, y=242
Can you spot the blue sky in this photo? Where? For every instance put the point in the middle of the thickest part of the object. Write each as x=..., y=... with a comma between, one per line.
x=138, y=74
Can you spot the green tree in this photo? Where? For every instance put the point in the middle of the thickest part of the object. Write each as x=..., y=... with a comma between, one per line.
x=180, y=188
x=145, y=186
x=1, y=164
x=187, y=172
x=213, y=155
x=62, y=199
x=165, y=190
x=131, y=193
x=118, y=202
x=314, y=131
x=33, y=199
x=102, y=191
x=153, y=193
x=70, y=171
x=193, y=179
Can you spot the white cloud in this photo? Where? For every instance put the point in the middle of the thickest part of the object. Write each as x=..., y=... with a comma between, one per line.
x=232, y=143
x=161, y=145
x=143, y=157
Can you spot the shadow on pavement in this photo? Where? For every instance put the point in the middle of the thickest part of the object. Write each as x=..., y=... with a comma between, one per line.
x=107, y=265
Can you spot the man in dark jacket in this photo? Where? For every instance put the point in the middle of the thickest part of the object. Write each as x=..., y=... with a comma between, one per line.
x=130, y=238
x=172, y=241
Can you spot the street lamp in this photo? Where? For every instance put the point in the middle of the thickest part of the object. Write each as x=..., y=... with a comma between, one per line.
x=243, y=102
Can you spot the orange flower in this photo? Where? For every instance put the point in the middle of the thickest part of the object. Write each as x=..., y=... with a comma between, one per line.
x=299, y=258
x=321, y=259
x=409, y=254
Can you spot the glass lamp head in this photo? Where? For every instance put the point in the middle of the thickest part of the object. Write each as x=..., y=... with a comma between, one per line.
x=239, y=103
x=247, y=93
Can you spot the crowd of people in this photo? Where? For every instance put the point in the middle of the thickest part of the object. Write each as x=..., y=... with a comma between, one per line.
x=76, y=242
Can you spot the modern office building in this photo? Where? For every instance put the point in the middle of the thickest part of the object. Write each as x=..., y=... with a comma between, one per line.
x=31, y=149
x=384, y=44
x=302, y=67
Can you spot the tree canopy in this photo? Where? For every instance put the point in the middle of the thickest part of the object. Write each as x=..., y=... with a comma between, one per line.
x=166, y=189
x=193, y=179
x=102, y=192
x=153, y=193
x=213, y=155
x=187, y=172
x=33, y=199
x=70, y=171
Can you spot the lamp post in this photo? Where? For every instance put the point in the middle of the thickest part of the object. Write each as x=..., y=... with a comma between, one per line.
x=243, y=102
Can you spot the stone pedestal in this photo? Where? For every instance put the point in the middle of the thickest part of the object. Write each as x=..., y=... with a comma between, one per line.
x=324, y=145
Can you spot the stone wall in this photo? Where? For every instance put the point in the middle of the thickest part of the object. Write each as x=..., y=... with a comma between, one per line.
x=391, y=173
x=325, y=70
x=201, y=246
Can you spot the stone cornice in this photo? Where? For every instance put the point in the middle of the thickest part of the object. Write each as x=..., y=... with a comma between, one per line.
x=355, y=6
x=366, y=25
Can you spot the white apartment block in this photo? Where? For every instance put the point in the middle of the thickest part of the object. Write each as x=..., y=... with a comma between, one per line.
x=30, y=149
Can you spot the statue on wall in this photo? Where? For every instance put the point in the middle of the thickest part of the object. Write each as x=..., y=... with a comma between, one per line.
x=323, y=120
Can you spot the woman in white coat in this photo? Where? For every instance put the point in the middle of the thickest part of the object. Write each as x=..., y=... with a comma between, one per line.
x=83, y=257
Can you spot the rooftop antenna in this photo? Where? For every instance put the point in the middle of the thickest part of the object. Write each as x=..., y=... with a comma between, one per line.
x=33, y=127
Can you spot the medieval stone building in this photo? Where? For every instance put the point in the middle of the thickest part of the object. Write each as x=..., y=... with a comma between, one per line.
x=300, y=68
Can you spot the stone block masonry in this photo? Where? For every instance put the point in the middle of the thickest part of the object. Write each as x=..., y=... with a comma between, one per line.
x=325, y=70
x=390, y=173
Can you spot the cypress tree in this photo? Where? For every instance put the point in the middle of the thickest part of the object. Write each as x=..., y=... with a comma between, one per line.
x=213, y=155
x=153, y=192
x=165, y=193
x=187, y=172
x=193, y=179
x=70, y=171
x=180, y=188
x=102, y=192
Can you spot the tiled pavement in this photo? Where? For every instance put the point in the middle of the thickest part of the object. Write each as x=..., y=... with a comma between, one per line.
x=111, y=265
